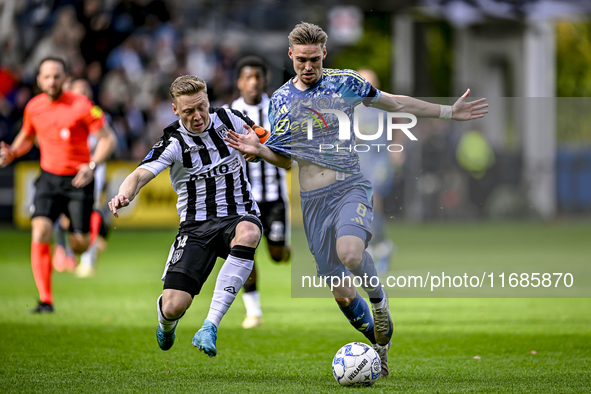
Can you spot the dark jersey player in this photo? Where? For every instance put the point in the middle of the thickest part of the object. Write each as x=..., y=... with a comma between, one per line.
x=218, y=214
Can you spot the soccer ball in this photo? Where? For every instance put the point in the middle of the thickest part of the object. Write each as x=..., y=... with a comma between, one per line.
x=356, y=364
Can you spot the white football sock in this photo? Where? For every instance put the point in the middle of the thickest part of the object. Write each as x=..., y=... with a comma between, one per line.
x=252, y=302
x=88, y=258
x=232, y=276
x=382, y=302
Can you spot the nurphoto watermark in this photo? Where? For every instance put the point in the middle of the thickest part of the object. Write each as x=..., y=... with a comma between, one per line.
x=344, y=128
x=333, y=125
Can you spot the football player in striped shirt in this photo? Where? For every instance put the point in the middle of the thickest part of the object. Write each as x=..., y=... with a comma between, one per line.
x=268, y=183
x=336, y=198
x=218, y=213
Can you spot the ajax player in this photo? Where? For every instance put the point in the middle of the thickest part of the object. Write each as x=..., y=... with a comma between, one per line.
x=336, y=198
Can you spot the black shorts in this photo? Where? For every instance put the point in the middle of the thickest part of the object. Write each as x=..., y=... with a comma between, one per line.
x=196, y=248
x=274, y=218
x=54, y=195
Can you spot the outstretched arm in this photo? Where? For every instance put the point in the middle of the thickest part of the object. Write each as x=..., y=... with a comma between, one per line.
x=250, y=146
x=20, y=146
x=130, y=187
x=461, y=110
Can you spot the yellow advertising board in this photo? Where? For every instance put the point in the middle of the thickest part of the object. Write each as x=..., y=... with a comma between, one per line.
x=154, y=207
x=25, y=174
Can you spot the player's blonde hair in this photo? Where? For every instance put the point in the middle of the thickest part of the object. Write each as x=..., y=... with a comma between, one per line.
x=307, y=33
x=187, y=84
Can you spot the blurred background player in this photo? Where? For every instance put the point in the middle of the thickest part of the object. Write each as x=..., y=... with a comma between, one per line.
x=61, y=121
x=268, y=183
x=379, y=168
x=63, y=256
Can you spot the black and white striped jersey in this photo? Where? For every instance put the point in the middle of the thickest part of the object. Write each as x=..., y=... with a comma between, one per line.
x=267, y=181
x=208, y=175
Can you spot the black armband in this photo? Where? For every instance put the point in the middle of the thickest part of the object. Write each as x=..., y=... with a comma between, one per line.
x=372, y=93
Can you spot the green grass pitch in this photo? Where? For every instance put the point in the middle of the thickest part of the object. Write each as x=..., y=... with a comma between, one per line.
x=102, y=336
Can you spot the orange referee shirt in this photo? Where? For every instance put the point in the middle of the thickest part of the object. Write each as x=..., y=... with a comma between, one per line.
x=62, y=128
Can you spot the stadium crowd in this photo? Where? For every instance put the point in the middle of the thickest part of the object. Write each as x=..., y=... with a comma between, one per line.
x=129, y=50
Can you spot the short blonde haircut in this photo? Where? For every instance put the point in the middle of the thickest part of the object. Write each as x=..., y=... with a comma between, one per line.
x=307, y=33
x=187, y=84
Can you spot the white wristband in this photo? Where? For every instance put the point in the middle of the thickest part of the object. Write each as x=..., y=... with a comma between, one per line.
x=445, y=112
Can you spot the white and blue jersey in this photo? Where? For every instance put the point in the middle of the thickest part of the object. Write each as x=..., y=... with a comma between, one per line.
x=292, y=111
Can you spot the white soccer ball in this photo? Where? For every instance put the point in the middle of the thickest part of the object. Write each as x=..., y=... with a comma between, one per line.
x=356, y=364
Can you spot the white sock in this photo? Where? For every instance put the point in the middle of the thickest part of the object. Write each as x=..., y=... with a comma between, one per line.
x=252, y=302
x=232, y=276
x=165, y=324
x=382, y=302
x=88, y=258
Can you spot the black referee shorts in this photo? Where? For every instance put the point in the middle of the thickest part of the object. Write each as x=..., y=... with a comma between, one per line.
x=54, y=195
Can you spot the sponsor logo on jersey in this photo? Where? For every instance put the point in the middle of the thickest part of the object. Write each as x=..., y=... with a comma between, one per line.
x=222, y=169
x=195, y=148
x=282, y=127
x=158, y=144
